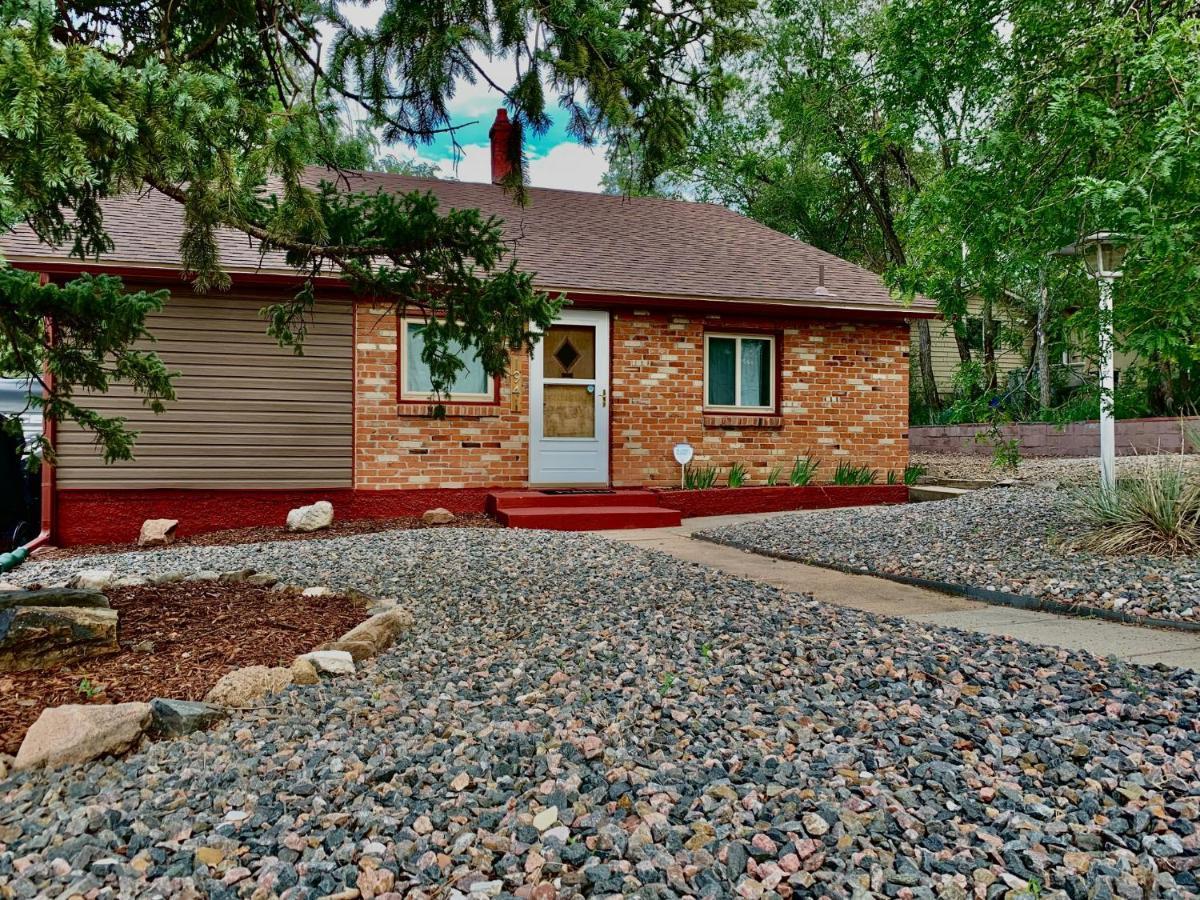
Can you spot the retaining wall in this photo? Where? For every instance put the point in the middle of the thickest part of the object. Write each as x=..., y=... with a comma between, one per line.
x=1079, y=439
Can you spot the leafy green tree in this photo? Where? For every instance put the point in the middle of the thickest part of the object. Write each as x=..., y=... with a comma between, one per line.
x=221, y=107
x=953, y=146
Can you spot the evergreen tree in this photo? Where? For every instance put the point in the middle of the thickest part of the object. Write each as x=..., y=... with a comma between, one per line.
x=220, y=106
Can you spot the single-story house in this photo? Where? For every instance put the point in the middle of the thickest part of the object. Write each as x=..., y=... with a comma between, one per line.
x=687, y=322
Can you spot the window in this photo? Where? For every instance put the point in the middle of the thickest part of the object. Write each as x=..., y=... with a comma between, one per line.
x=739, y=372
x=472, y=382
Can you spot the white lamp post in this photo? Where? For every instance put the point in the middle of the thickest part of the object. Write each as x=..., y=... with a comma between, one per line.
x=1103, y=252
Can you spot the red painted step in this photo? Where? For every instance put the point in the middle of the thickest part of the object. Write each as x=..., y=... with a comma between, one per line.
x=587, y=518
x=498, y=501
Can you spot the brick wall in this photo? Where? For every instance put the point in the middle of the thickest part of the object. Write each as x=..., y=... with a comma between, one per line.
x=844, y=396
x=400, y=446
x=1078, y=439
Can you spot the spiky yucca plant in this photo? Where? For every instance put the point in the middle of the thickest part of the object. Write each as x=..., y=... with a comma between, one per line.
x=1156, y=513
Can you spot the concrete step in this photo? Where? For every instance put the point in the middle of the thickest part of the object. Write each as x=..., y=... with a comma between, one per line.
x=924, y=493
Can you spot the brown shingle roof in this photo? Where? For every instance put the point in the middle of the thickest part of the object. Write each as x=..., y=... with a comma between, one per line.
x=572, y=240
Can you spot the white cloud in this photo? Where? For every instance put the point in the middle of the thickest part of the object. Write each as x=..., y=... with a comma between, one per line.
x=569, y=167
x=565, y=166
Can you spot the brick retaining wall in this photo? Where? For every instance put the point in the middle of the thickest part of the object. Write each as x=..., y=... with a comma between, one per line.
x=1079, y=439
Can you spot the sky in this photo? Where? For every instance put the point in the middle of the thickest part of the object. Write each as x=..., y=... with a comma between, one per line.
x=555, y=159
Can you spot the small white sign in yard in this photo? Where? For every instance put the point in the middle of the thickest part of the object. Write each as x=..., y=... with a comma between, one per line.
x=683, y=454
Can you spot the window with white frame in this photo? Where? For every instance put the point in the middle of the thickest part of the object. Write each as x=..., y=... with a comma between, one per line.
x=472, y=383
x=739, y=372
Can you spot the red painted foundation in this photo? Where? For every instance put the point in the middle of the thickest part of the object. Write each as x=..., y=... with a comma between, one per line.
x=733, y=501
x=104, y=517
x=88, y=516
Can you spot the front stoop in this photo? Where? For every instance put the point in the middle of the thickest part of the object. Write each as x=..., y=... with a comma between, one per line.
x=580, y=512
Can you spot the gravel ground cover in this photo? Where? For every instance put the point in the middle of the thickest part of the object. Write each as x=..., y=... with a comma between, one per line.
x=576, y=717
x=1017, y=539
x=1035, y=469
x=177, y=640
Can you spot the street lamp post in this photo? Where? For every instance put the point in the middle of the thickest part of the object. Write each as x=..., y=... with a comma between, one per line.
x=1103, y=253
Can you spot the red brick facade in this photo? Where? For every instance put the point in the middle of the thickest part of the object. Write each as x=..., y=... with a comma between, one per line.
x=842, y=391
x=843, y=395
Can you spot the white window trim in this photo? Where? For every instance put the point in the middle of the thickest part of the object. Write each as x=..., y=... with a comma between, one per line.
x=737, y=370
x=407, y=394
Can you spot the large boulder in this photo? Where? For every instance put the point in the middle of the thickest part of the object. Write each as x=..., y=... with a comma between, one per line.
x=311, y=518
x=243, y=686
x=61, y=596
x=157, y=532
x=63, y=735
x=37, y=637
x=373, y=636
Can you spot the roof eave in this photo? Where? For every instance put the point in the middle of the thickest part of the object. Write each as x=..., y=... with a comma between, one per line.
x=263, y=278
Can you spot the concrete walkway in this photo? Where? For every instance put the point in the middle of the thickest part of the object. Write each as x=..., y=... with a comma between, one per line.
x=889, y=598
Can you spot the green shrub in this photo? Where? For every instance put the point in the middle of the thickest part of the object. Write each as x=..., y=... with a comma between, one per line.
x=773, y=476
x=1157, y=513
x=737, y=475
x=913, y=472
x=804, y=469
x=698, y=479
x=848, y=474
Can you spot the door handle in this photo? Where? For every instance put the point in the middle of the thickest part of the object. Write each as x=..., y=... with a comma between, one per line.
x=604, y=397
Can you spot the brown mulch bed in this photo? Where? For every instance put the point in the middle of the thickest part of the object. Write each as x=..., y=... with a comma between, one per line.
x=261, y=533
x=176, y=641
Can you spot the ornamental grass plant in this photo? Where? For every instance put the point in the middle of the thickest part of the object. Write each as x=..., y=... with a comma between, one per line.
x=1157, y=513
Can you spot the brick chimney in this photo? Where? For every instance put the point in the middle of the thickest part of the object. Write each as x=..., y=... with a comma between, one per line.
x=501, y=135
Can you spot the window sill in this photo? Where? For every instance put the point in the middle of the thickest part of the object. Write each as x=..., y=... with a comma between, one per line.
x=742, y=420
x=418, y=410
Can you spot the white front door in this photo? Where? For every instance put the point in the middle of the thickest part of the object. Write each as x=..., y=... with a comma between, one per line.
x=568, y=402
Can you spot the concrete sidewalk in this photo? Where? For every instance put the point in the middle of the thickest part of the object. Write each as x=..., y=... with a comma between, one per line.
x=889, y=598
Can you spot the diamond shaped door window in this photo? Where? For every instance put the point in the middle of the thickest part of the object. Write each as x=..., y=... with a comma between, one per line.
x=570, y=352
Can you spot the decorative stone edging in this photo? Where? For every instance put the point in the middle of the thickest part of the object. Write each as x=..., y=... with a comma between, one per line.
x=76, y=733
x=984, y=595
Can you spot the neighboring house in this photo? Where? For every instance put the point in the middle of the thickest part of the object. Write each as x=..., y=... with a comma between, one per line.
x=687, y=322
x=1072, y=363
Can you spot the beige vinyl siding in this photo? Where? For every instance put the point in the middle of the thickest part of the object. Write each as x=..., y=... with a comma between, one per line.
x=249, y=414
x=945, y=350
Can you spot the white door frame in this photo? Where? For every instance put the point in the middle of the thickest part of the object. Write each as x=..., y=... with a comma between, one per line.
x=572, y=461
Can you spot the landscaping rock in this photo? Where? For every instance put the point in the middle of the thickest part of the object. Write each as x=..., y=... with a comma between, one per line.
x=670, y=713
x=437, y=516
x=63, y=735
x=317, y=591
x=62, y=596
x=262, y=579
x=37, y=637
x=243, y=686
x=311, y=518
x=157, y=532
x=93, y=579
x=372, y=636
x=323, y=663
x=175, y=718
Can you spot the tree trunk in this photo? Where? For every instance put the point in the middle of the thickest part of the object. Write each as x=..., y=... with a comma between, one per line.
x=1042, y=350
x=989, y=345
x=960, y=340
x=929, y=387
